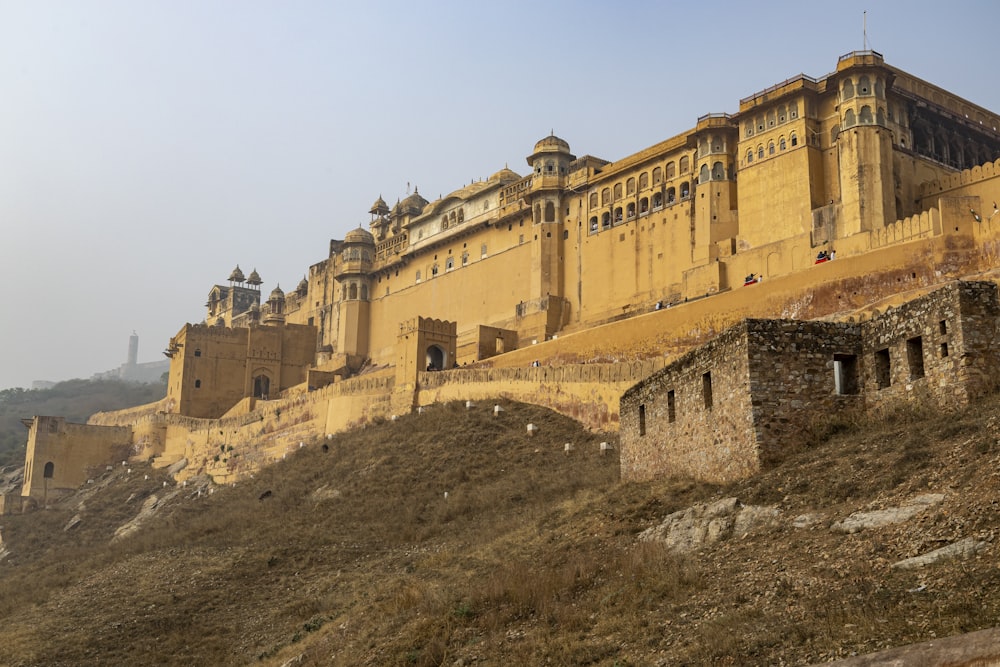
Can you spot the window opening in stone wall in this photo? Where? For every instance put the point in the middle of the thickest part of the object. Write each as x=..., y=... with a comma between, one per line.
x=197, y=352
x=915, y=357
x=671, y=407
x=943, y=327
x=261, y=387
x=658, y=174
x=418, y=276
x=706, y=389
x=944, y=349
x=642, y=420
x=550, y=212
x=685, y=164
x=845, y=374
x=685, y=190
x=49, y=469
x=197, y=384
x=883, y=366
x=482, y=254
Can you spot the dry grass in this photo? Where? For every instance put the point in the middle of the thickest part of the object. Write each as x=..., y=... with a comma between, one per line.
x=356, y=557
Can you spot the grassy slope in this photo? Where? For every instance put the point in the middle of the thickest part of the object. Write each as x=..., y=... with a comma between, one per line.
x=356, y=556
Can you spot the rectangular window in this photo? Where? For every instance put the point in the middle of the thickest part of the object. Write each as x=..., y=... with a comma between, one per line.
x=482, y=253
x=883, y=369
x=915, y=357
x=706, y=390
x=943, y=325
x=845, y=373
x=642, y=420
x=944, y=349
x=671, y=407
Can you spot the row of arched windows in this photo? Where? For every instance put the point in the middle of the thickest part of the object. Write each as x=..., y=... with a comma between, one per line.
x=622, y=214
x=717, y=173
x=659, y=175
x=776, y=116
x=351, y=291
x=772, y=148
x=864, y=88
x=454, y=218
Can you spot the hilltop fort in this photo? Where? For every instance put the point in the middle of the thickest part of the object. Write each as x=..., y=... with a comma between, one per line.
x=819, y=199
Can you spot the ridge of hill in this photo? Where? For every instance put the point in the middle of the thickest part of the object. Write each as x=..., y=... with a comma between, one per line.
x=453, y=537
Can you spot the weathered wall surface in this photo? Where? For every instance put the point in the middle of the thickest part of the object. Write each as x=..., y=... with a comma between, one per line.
x=694, y=418
x=61, y=455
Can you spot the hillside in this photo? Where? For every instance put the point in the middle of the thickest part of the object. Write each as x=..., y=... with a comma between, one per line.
x=75, y=400
x=354, y=555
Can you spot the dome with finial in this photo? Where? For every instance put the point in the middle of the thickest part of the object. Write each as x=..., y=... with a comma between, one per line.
x=505, y=175
x=359, y=235
x=379, y=207
x=303, y=286
x=236, y=276
x=413, y=205
x=254, y=279
x=277, y=294
x=551, y=144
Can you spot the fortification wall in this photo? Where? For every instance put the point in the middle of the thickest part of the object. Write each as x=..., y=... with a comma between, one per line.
x=61, y=455
x=588, y=393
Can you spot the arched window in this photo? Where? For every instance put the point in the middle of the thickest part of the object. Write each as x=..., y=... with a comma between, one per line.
x=630, y=186
x=749, y=129
x=834, y=131
x=781, y=114
x=849, y=119
x=749, y=156
x=793, y=110
x=461, y=215
x=685, y=190
x=879, y=88
x=643, y=180
x=671, y=170
x=618, y=214
x=880, y=116
x=864, y=86
x=643, y=205
x=364, y=292
x=866, y=115
x=353, y=291
x=550, y=212
x=671, y=195
x=343, y=289
x=795, y=140
x=658, y=175
x=781, y=144
x=657, y=200
x=605, y=220
x=538, y=213
x=434, y=270
x=418, y=276
x=444, y=222
x=770, y=118
x=261, y=386
x=550, y=167
x=770, y=148
x=593, y=223
x=593, y=200
x=760, y=152
x=685, y=164
x=618, y=191
x=718, y=172
x=49, y=469
x=630, y=210
x=605, y=196
x=703, y=174
x=847, y=90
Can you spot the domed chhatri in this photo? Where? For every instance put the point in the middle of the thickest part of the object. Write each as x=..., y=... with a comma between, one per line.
x=237, y=275
x=552, y=144
x=379, y=208
x=359, y=235
x=277, y=293
x=413, y=205
x=254, y=279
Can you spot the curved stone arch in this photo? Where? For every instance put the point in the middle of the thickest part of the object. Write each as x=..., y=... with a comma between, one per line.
x=773, y=264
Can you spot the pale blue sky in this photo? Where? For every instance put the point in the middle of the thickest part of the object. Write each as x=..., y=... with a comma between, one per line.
x=147, y=147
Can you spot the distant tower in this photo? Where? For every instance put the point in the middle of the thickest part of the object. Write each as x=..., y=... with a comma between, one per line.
x=133, y=349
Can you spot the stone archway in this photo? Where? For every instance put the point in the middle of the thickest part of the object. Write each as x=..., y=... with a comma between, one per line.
x=437, y=358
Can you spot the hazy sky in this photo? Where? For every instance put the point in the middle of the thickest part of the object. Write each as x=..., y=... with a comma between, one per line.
x=147, y=147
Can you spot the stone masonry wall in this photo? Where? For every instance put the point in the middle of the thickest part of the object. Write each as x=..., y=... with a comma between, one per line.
x=693, y=418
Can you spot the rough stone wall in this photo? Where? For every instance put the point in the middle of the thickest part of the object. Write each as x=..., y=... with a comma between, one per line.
x=693, y=418
x=941, y=348
x=792, y=385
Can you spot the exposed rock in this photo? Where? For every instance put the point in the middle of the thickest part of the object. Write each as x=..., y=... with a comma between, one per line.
x=698, y=525
x=177, y=467
x=324, y=493
x=73, y=523
x=807, y=520
x=862, y=520
x=962, y=548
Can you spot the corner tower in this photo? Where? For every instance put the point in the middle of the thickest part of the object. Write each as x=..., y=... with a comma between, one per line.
x=353, y=276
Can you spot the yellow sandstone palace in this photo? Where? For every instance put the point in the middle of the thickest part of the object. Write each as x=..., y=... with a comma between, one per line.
x=602, y=270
